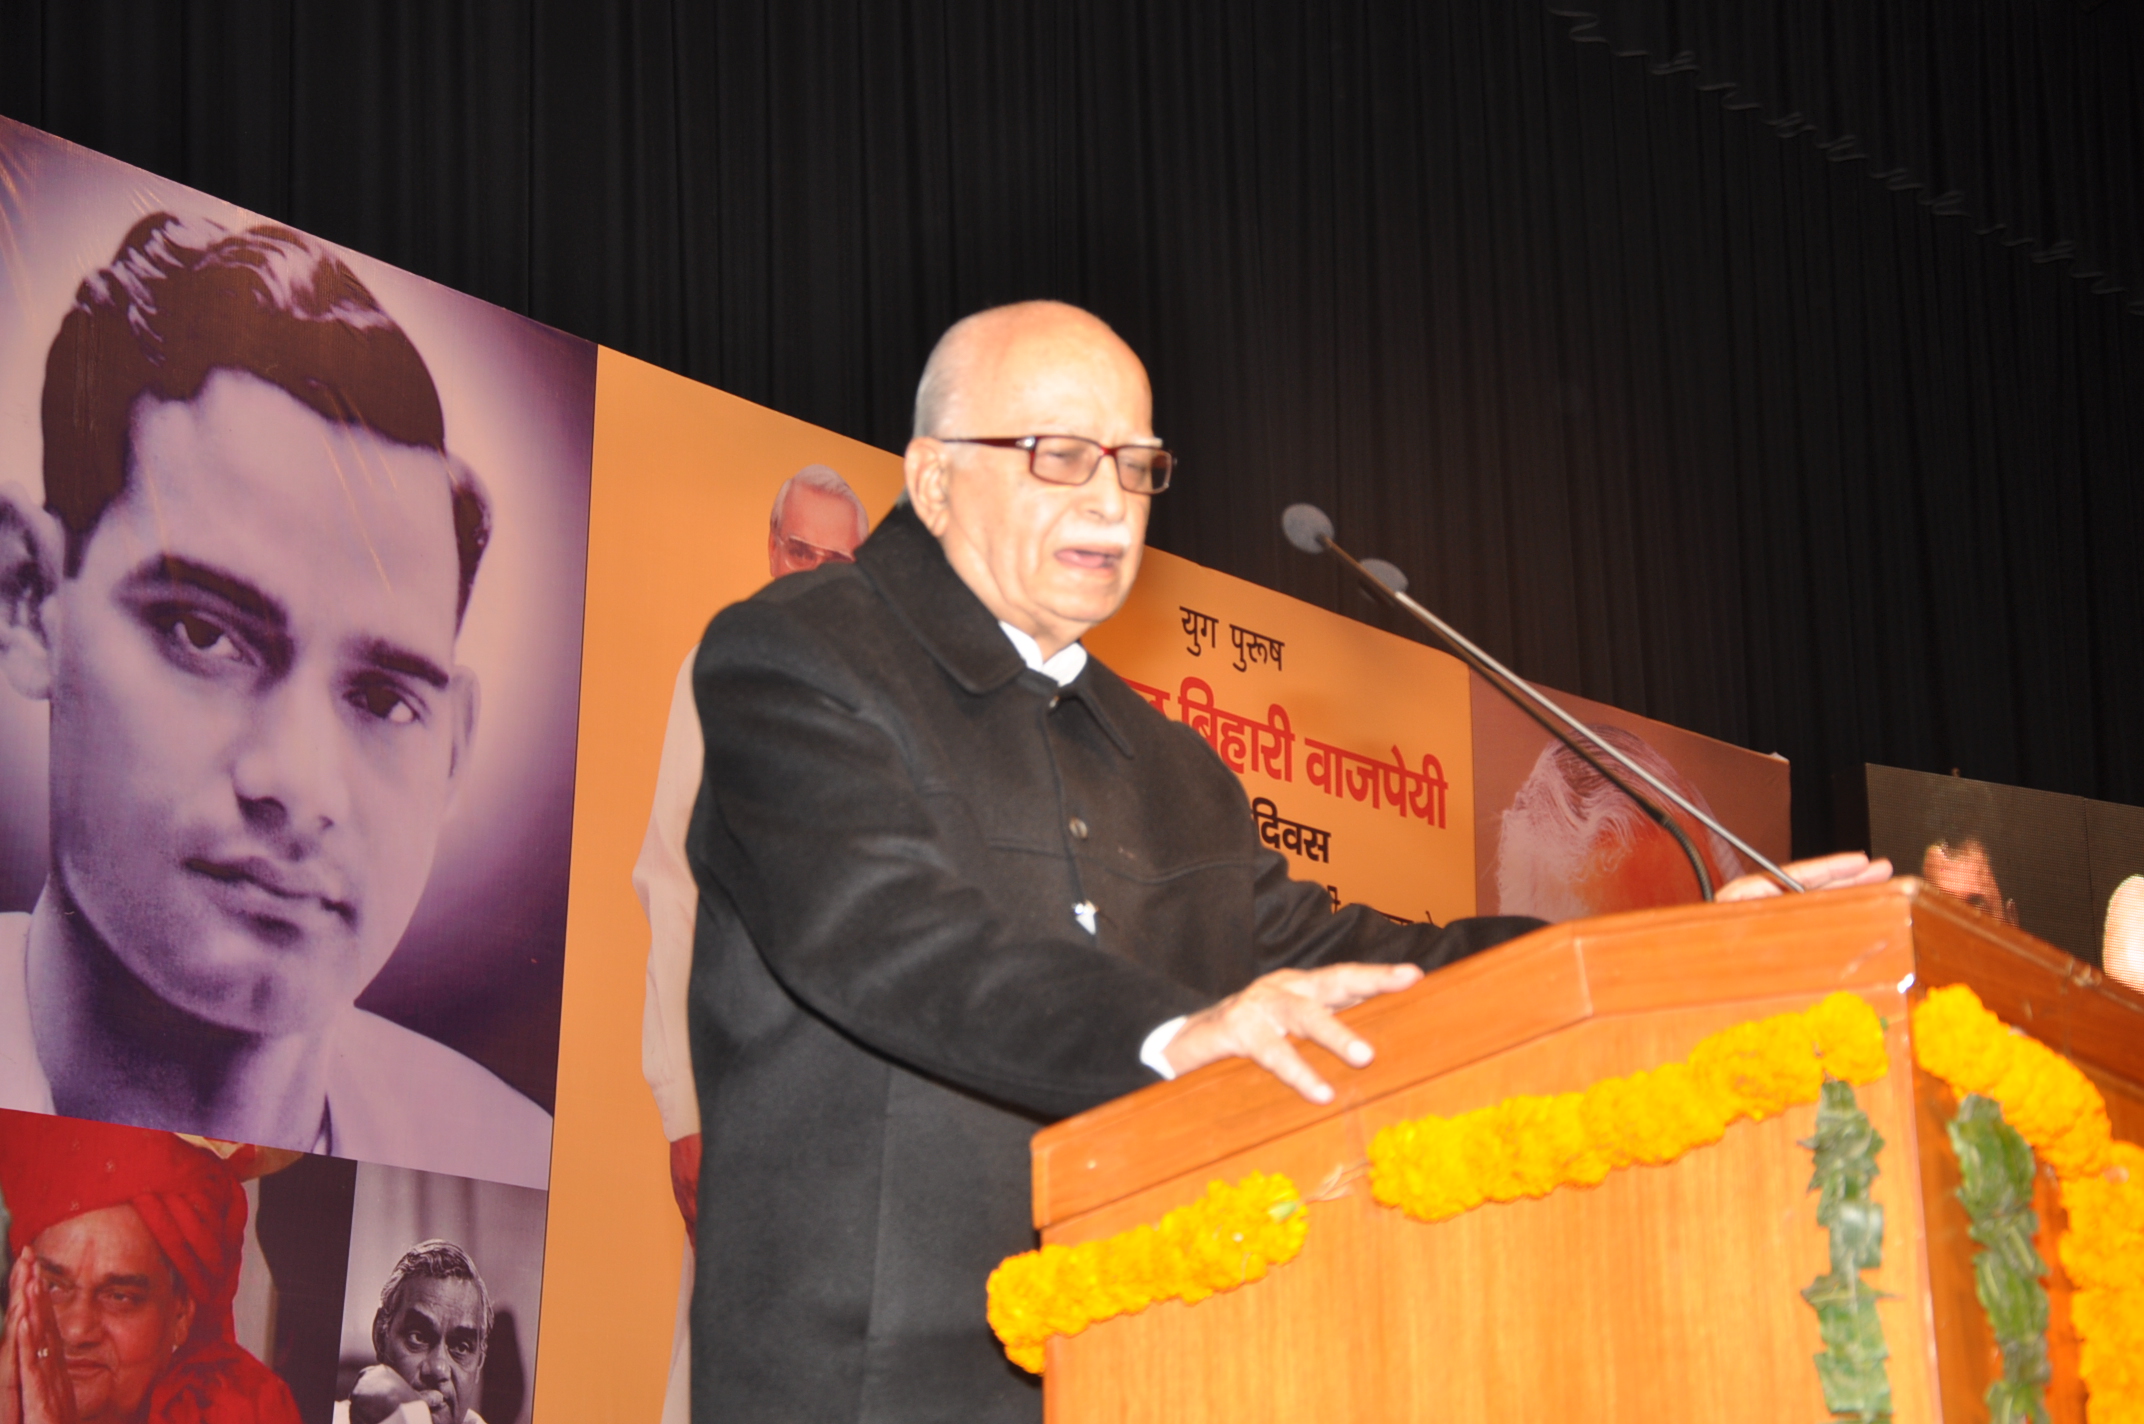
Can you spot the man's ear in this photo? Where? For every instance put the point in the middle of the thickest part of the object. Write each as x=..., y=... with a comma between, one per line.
x=925, y=475
x=182, y=1321
x=32, y=548
x=2010, y=913
x=463, y=697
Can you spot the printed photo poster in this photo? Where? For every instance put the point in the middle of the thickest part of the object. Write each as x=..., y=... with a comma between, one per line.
x=188, y=1278
x=293, y=548
x=2064, y=868
x=1353, y=745
x=440, y=1298
x=1556, y=841
x=699, y=498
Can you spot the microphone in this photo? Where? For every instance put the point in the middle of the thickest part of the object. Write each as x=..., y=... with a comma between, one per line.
x=1309, y=529
x=1386, y=574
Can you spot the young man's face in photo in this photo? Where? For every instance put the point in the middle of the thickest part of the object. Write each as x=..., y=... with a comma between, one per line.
x=257, y=721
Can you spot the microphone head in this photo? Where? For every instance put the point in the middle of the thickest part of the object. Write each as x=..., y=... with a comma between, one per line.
x=1306, y=527
x=1386, y=574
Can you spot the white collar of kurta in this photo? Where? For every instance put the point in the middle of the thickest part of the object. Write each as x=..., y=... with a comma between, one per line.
x=1062, y=668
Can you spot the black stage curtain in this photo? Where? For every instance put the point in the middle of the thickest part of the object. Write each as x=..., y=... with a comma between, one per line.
x=2025, y=119
x=1664, y=409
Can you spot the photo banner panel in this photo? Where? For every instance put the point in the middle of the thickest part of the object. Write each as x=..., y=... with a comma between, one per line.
x=286, y=736
x=684, y=478
x=1353, y=745
x=1553, y=840
x=2064, y=868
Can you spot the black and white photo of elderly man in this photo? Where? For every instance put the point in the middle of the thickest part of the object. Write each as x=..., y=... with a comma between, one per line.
x=429, y=1338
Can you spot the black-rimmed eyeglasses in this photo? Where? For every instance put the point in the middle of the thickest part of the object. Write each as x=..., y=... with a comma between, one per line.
x=1072, y=459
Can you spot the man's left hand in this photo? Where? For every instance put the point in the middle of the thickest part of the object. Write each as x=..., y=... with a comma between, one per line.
x=1258, y=1022
x=1843, y=871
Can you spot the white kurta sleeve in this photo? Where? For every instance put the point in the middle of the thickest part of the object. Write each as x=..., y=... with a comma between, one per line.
x=671, y=900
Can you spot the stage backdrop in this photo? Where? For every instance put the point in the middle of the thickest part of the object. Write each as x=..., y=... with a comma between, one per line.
x=2065, y=868
x=626, y=505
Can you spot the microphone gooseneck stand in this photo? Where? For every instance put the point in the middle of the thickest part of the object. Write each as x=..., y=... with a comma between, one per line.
x=1308, y=528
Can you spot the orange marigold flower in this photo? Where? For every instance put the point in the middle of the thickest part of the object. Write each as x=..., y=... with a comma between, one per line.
x=1961, y=1042
x=1849, y=1037
x=1759, y=1069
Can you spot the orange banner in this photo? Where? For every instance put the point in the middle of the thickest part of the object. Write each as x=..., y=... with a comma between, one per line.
x=1353, y=745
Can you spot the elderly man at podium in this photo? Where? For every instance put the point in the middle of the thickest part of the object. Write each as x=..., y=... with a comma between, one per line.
x=956, y=881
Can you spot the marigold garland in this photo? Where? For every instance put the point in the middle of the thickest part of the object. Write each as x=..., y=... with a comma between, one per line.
x=2056, y=1109
x=1231, y=1235
x=1434, y=1167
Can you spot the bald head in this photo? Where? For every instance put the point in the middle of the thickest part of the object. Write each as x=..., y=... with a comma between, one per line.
x=1051, y=560
x=974, y=354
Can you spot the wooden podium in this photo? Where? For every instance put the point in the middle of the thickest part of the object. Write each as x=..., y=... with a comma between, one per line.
x=1666, y=1293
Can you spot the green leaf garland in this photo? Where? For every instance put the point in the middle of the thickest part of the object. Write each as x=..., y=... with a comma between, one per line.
x=1851, y=1364
x=1997, y=1169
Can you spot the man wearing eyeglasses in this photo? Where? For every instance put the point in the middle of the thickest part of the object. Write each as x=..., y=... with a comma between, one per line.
x=957, y=881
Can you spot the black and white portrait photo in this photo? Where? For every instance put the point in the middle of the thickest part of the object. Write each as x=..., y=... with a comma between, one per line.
x=440, y=1307
x=291, y=562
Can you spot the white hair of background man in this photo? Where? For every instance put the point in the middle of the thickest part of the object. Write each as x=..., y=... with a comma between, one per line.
x=826, y=481
x=1563, y=809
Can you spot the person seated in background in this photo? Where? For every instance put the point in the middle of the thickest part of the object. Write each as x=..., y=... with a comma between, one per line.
x=1573, y=845
x=126, y=1247
x=429, y=1336
x=1960, y=840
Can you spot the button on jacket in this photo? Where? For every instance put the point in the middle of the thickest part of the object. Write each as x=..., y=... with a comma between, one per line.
x=891, y=989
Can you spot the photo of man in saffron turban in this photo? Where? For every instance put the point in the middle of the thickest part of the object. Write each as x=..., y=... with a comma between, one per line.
x=125, y=1246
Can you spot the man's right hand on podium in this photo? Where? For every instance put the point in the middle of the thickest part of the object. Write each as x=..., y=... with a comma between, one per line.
x=1258, y=1022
